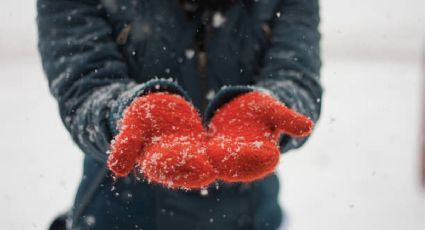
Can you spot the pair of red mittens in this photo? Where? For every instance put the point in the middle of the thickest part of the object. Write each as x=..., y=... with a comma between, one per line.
x=162, y=134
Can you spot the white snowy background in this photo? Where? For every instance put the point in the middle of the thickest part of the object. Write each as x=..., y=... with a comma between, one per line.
x=360, y=170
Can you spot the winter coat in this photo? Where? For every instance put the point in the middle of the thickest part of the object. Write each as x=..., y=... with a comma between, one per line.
x=99, y=55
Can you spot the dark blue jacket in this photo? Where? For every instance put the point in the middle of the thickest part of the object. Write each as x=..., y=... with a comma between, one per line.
x=100, y=55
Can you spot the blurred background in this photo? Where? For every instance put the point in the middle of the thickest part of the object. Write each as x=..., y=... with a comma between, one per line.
x=360, y=170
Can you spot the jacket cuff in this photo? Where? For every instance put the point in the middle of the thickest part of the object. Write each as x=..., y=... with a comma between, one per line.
x=136, y=90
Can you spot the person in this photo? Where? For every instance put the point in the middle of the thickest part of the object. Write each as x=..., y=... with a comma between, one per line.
x=130, y=77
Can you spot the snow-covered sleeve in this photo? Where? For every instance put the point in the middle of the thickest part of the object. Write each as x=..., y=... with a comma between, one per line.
x=86, y=71
x=291, y=65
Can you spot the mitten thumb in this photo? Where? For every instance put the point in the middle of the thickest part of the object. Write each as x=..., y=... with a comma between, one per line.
x=290, y=122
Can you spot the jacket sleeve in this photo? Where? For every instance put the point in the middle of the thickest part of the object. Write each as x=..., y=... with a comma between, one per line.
x=291, y=65
x=86, y=71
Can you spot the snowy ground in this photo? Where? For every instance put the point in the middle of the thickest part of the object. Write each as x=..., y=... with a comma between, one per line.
x=359, y=171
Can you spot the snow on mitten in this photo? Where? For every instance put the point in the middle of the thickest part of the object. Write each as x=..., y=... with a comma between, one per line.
x=244, y=134
x=162, y=135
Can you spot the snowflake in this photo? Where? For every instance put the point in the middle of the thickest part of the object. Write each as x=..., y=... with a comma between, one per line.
x=257, y=144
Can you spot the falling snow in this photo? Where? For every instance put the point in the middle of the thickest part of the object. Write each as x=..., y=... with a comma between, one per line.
x=90, y=220
x=204, y=192
x=190, y=53
x=218, y=20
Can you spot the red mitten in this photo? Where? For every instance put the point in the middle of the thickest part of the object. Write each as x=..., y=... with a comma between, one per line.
x=244, y=135
x=162, y=134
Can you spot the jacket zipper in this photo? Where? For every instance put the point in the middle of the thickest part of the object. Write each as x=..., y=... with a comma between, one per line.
x=201, y=43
